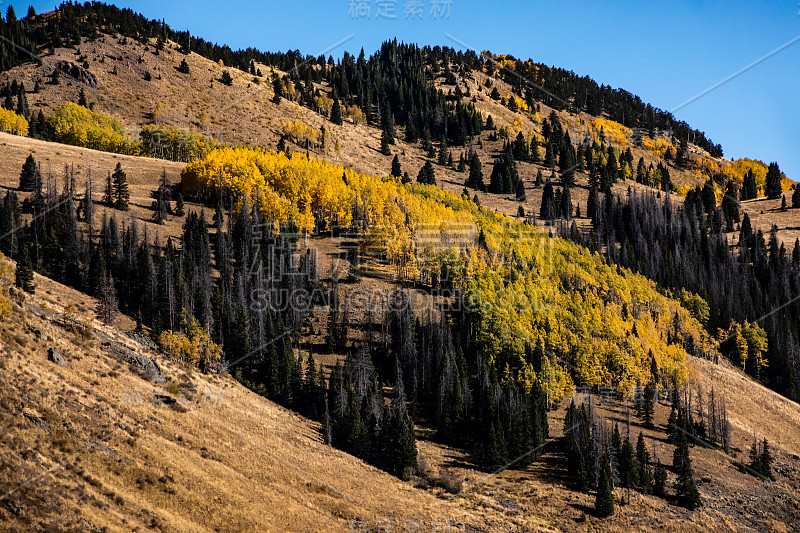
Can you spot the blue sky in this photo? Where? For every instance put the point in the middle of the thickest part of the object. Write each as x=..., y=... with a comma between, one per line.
x=666, y=52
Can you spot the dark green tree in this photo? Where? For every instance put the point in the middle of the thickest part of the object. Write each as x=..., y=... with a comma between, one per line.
x=27, y=178
x=604, y=500
x=396, y=170
x=120, y=184
x=426, y=175
x=772, y=183
x=24, y=273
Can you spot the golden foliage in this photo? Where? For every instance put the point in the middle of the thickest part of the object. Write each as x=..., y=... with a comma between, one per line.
x=658, y=146
x=195, y=348
x=613, y=132
x=177, y=145
x=303, y=135
x=12, y=123
x=596, y=324
x=78, y=126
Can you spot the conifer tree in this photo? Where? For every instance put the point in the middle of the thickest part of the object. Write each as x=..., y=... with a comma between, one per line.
x=120, y=187
x=644, y=474
x=396, y=170
x=547, y=209
x=772, y=183
x=179, y=206
x=796, y=198
x=24, y=273
x=336, y=112
x=82, y=98
x=27, y=178
x=647, y=405
x=660, y=480
x=685, y=489
x=426, y=175
x=475, y=179
x=604, y=500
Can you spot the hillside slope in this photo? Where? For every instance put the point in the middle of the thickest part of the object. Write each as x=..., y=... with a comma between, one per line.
x=88, y=446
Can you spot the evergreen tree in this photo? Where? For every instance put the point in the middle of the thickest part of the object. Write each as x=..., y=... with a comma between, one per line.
x=627, y=468
x=426, y=175
x=226, y=78
x=386, y=140
x=772, y=183
x=27, y=178
x=749, y=186
x=660, y=480
x=644, y=474
x=183, y=68
x=24, y=273
x=796, y=198
x=685, y=489
x=647, y=405
x=82, y=98
x=336, y=112
x=604, y=500
x=120, y=186
x=396, y=170
x=548, y=208
x=475, y=179
x=179, y=206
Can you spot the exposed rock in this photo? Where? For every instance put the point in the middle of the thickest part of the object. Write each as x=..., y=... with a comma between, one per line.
x=165, y=399
x=142, y=363
x=56, y=357
x=76, y=71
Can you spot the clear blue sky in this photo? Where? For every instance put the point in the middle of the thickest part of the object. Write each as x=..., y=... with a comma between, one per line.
x=666, y=51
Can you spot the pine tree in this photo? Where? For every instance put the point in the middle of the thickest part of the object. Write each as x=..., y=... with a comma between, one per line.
x=396, y=170
x=627, y=468
x=520, y=193
x=179, y=206
x=547, y=209
x=27, y=178
x=82, y=98
x=475, y=179
x=386, y=140
x=183, y=68
x=120, y=185
x=644, y=474
x=426, y=175
x=226, y=78
x=685, y=489
x=660, y=480
x=336, y=112
x=604, y=501
x=24, y=273
x=772, y=183
x=783, y=204
x=647, y=405
x=796, y=197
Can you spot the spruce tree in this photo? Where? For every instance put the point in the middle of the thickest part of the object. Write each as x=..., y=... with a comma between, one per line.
x=336, y=112
x=660, y=480
x=604, y=500
x=475, y=179
x=396, y=170
x=647, y=405
x=27, y=178
x=24, y=273
x=796, y=197
x=772, y=183
x=82, y=98
x=120, y=185
x=644, y=474
x=426, y=175
x=685, y=489
x=179, y=206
